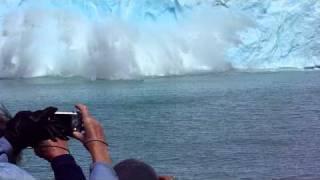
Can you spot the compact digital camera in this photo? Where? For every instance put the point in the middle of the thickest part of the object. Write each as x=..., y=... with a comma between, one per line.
x=71, y=121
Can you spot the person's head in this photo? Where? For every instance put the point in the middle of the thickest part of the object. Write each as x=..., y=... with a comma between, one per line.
x=132, y=169
x=2, y=125
x=4, y=118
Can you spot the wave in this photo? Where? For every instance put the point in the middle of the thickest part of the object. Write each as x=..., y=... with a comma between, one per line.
x=113, y=39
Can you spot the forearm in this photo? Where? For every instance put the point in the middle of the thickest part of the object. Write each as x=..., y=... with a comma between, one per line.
x=65, y=168
x=99, y=152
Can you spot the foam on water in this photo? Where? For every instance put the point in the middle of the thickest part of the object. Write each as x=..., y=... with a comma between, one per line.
x=113, y=39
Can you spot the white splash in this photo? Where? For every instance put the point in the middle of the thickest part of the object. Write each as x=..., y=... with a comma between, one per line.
x=113, y=39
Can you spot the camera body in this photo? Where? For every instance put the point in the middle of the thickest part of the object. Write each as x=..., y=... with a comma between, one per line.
x=71, y=121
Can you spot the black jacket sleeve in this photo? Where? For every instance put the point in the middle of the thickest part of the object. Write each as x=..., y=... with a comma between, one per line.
x=66, y=168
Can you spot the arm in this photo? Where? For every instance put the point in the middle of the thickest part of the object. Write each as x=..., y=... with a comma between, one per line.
x=66, y=168
x=63, y=164
x=94, y=140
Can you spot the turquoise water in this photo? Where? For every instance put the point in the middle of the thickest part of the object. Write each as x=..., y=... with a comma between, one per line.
x=216, y=126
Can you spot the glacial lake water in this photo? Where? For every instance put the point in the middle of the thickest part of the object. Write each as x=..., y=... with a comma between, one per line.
x=205, y=127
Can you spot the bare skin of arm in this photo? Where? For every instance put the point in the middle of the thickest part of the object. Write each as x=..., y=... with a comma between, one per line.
x=94, y=131
x=93, y=136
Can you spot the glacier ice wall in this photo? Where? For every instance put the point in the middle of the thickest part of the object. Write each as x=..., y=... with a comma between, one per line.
x=125, y=39
x=286, y=35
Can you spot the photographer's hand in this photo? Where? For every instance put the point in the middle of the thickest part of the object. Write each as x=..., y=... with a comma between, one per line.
x=93, y=137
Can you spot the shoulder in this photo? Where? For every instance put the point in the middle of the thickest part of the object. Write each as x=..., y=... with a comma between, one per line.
x=11, y=171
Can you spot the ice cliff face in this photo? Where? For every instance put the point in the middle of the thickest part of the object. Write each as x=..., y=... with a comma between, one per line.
x=286, y=35
x=125, y=39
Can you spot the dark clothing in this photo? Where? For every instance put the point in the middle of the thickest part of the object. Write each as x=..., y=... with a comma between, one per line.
x=66, y=168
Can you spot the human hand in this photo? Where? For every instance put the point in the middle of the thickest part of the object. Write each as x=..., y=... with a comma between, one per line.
x=49, y=149
x=93, y=136
x=29, y=128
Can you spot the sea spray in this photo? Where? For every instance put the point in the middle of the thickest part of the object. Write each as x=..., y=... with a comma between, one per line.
x=112, y=39
x=47, y=40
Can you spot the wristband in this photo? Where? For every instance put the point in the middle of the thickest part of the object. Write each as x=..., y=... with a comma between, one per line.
x=96, y=140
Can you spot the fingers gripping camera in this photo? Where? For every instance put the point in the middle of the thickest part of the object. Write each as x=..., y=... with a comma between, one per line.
x=71, y=122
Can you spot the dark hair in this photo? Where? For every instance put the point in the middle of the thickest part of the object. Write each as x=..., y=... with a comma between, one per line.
x=133, y=169
x=4, y=117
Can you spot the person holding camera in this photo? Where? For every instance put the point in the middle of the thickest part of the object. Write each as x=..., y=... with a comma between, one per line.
x=39, y=130
x=48, y=137
x=25, y=129
x=92, y=138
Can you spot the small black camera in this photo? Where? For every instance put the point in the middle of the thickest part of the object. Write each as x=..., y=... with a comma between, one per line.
x=71, y=121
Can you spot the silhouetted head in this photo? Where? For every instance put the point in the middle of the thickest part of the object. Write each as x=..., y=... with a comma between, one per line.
x=132, y=169
x=4, y=118
x=2, y=126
